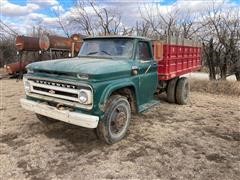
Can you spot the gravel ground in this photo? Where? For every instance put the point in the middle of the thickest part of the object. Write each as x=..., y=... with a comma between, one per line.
x=200, y=140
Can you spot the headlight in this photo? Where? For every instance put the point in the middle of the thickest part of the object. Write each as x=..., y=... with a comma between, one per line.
x=27, y=86
x=85, y=96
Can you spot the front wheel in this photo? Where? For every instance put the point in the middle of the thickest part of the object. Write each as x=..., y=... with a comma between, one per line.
x=116, y=120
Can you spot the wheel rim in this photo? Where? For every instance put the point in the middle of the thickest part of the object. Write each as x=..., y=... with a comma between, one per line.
x=118, y=120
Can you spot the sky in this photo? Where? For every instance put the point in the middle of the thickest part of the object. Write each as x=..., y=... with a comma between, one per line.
x=22, y=15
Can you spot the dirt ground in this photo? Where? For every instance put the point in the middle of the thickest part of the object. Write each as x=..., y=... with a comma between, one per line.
x=200, y=140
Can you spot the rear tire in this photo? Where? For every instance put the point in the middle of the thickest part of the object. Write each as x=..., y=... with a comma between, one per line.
x=171, y=89
x=182, y=91
x=45, y=119
x=113, y=127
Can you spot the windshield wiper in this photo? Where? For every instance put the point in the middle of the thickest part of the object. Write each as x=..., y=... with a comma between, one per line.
x=95, y=52
x=106, y=53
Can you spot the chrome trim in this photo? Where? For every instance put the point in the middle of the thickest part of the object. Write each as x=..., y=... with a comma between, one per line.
x=76, y=118
x=54, y=95
x=56, y=80
x=58, y=88
x=69, y=100
x=50, y=87
x=61, y=101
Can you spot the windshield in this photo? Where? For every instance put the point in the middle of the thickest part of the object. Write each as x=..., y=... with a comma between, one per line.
x=107, y=47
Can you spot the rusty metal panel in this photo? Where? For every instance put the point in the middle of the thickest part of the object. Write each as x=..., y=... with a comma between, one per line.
x=77, y=46
x=26, y=43
x=77, y=40
x=16, y=67
x=55, y=42
x=76, y=37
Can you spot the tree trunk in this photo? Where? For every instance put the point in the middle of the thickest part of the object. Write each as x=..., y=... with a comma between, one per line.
x=223, y=72
x=212, y=73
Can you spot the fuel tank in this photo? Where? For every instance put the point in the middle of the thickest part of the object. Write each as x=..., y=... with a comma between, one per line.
x=26, y=43
x=55, y=42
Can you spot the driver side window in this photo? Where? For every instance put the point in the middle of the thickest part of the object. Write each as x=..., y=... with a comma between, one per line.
x=143, y=51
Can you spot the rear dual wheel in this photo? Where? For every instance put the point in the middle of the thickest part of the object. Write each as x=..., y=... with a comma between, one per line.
x=182, y=91
x=171, y=90
x=178, y=90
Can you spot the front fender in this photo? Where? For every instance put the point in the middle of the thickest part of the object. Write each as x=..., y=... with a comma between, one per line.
x=113, y=87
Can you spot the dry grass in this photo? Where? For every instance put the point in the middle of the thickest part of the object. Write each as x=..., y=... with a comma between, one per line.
x=199, y=140
x=2, y=71
x=216, y=87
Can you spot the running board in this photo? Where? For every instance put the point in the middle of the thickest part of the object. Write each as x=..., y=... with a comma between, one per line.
x=148, y=105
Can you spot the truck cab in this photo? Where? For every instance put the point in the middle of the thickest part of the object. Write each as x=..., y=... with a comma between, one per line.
x=111, y=78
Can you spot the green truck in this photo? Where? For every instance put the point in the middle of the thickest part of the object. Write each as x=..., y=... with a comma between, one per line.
x=111, y=78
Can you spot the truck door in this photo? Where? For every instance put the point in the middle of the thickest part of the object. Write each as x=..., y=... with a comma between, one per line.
x=147, y=72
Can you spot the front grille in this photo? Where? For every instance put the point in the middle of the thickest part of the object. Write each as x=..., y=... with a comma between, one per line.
x=55, y=92
x=61, y=90
x=56, y=84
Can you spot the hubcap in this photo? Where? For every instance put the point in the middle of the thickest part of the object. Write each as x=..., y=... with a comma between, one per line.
x=118, y=120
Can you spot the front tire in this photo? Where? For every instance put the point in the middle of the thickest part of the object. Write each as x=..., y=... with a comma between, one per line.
x=116, y=120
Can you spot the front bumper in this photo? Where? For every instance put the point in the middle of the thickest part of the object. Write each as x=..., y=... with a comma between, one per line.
x=79, y=119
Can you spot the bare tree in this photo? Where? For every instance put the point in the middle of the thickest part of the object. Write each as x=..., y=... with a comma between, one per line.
x=143, y=29
x=7, y=49
x=62, y=22
x=94, y=19
x=6, y=30
x=82, y=19
x=174, y=21
x=223, y=29
x=108, y=20
x=7, y=44
x=218, y=28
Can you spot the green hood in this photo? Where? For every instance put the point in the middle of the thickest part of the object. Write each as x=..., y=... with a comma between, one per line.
x=95, y=68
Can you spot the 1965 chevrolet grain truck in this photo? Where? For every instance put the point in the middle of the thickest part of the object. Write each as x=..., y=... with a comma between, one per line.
x=111, y=78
